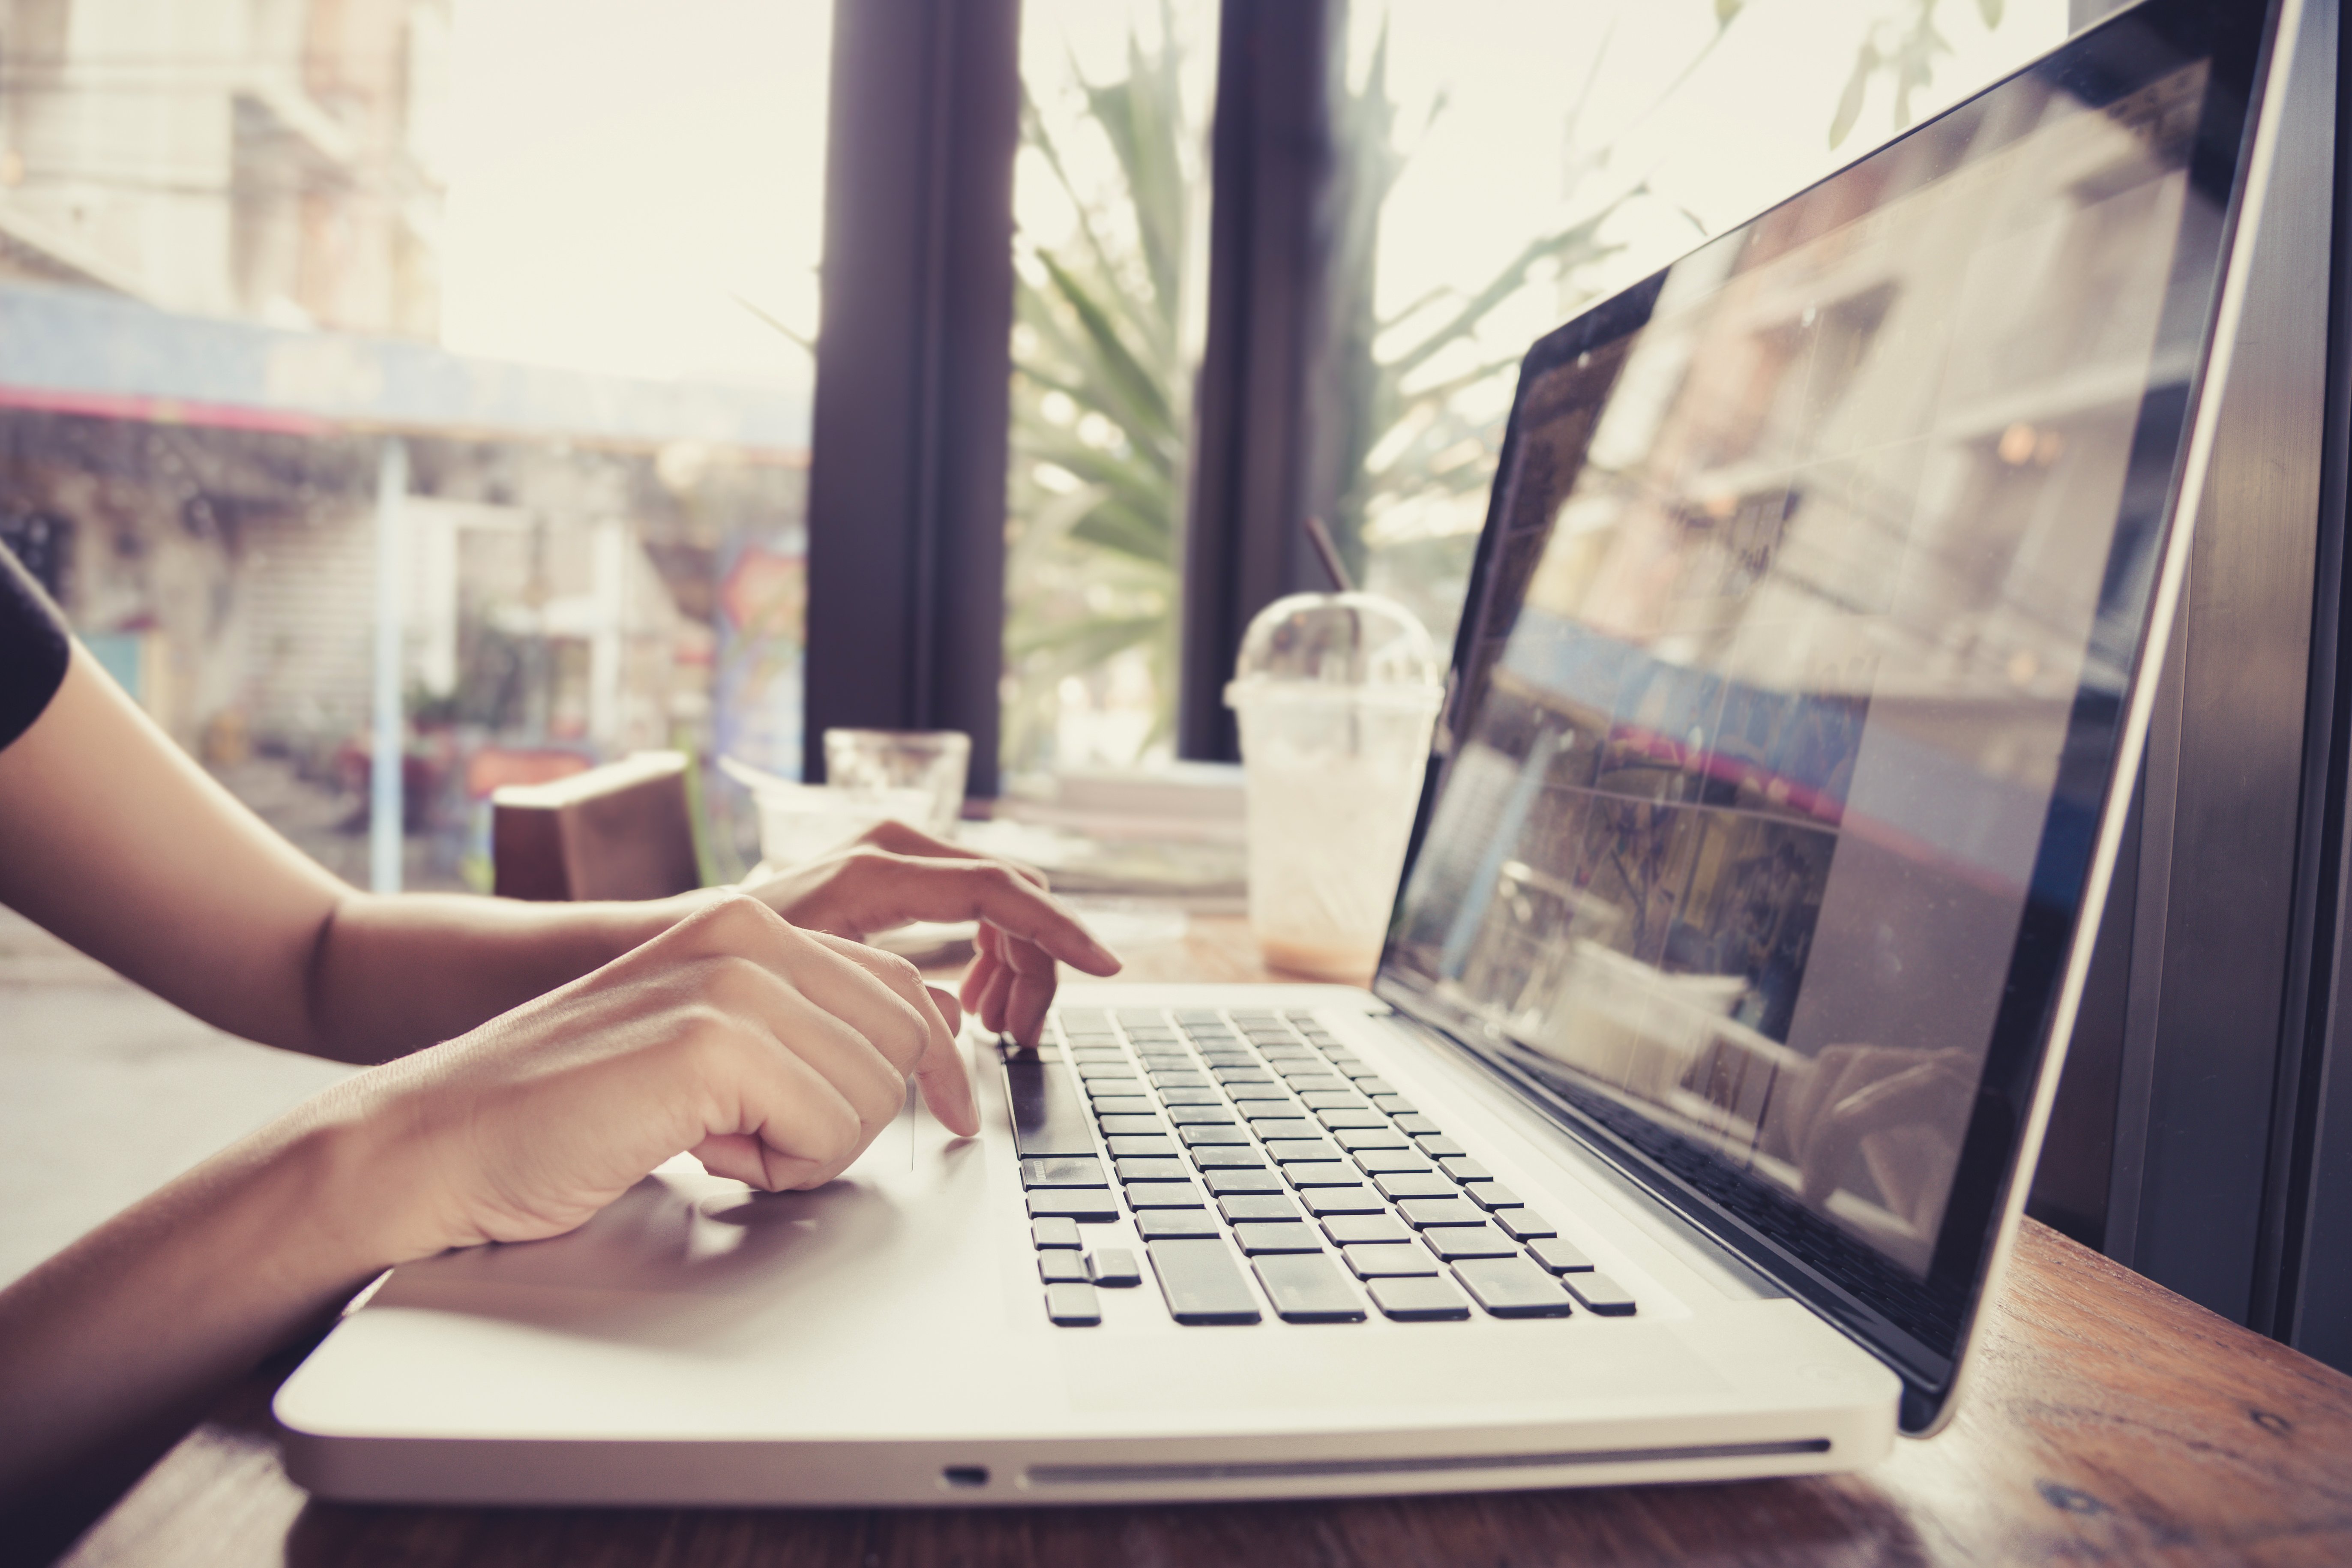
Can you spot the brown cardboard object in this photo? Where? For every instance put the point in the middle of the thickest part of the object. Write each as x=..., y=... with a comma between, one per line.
x=621, y=831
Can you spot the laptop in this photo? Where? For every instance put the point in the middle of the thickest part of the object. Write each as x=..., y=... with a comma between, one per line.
x=1684, y=1131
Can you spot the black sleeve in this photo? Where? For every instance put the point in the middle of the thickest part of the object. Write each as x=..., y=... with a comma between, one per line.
x=32, y=649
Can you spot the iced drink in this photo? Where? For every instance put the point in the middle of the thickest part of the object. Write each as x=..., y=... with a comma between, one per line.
x=1336, y=695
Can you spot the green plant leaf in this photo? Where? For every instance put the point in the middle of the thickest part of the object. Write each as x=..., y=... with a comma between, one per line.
x=1991, y=11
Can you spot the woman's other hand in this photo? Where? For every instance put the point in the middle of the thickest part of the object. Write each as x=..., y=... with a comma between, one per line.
x=894, y=874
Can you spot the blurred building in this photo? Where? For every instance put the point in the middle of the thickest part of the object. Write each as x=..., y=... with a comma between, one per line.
x=219, y=301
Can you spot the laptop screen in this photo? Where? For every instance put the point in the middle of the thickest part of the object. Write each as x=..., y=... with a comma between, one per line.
x=1789, y=687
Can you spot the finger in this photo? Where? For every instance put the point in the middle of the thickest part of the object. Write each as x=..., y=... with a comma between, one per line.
x=1031, y=993
x=992, y=999
x=847, y=1023
x=950, y=1010
x=900, y=839
x=994, y=892
x=878, y=995
x=984, y=962
x=939, y=1071
x=775, y=1122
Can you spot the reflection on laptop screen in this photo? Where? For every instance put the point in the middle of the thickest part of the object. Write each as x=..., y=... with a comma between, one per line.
x=1816, y=574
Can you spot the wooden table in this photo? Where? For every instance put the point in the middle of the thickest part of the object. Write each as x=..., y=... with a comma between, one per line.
x=2112, y=1421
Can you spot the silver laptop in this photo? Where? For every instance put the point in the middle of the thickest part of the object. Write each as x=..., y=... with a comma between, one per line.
x=1684, y=1131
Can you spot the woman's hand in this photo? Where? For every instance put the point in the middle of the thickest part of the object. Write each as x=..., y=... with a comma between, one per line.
x=894, y=874
x=773, y=1055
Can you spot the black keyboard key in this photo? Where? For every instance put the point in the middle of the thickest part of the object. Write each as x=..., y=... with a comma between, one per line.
x=1101, y=1089
x=1062, y=1172
x=1322, y=1083
x=1292, y=1151
x=1148, y=1170
x=1419, y=1300
x=1073, y=1306
x=1201, y=1282
x=1114, y=1126
x=1166, y=1080
x=1466, y=1170
x=1141, y=1195
x=1393, y=1104
x=1126, y=1105
x=1114, y=1269
x=1308, y=1290
x=1491, y=1196
x=1331, y=1099
x=1523, y=1224
x=1175, y=1097
x=1055, y=1233
x=1369, y=1138
x=1339, y=1120
x=1061, y=1269
x=1422, y=1212
x=1374, y=1087
x=1228, y=1157
x=1257, y=1111
x=1356, y=1200
x=1389, y=1260
x=1118, y=1068
x=1257, y=1206
x=1226, y=1183
x=1453, y=1242
x=1351, y=1229
x=1163, y=1224
x=1414, y=1185
x=1514, y=1288
x=1417, y=1124
x=1599, y=1293
x=1148, y=1147
x=1089, y=1205
x=1441, y=1148
x=1279, y=1235
x=1356, y=1071
x=1561, y=1256
x=1393, y=1161
x=1304, y=1174
x=1048, y=1118
x=1204, y=1137
x=1083, y=1054
x=1286, y=1127
x=1200, y=1116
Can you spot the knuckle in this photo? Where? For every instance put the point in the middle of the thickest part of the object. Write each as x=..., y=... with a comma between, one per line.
x=736, y=915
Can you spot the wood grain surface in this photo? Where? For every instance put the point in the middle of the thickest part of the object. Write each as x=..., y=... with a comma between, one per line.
x=2110, y=1421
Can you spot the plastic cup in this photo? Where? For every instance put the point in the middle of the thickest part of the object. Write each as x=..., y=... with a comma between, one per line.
x=1336, y=695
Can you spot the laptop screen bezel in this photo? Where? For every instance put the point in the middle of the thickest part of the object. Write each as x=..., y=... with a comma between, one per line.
x=1924, y=1348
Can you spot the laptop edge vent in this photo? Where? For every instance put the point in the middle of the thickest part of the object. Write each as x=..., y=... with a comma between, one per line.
x=1292, y=1469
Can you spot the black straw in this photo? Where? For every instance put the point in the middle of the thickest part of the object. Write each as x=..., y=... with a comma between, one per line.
x=1328, y=550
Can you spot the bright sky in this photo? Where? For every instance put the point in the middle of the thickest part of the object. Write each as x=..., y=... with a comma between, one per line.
x=617, y=168
x=1746, y=128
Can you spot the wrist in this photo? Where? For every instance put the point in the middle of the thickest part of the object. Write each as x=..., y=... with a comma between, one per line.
x=356, y=1160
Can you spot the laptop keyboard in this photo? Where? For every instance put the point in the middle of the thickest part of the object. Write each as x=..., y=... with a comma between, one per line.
x=1264, y=1165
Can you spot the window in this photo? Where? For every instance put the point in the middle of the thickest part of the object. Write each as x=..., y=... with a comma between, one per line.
x=465, y=321
x=1495, y=179
x=1110, y=205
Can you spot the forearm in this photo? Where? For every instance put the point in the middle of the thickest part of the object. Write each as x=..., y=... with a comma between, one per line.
x=390, y=976
x=149, y=1316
